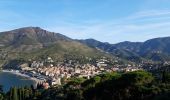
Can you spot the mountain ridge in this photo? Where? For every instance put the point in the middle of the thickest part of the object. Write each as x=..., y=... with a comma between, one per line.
x=156, y=49
x=30, y=36
x=35, y=43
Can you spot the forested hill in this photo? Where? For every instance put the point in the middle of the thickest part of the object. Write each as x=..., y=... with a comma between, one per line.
x=157, y=49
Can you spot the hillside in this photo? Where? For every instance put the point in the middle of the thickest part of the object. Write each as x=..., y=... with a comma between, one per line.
x=157, y=49
x=121, y=50
x=29, y=38
x=34, y=43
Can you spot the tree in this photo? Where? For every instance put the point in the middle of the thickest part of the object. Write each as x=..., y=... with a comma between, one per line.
x=1, y=90
x=1, y=97
x=165, y=77
x=74, y=95
x=136, y=78
x=91, y=82
x=14, y=94
x=20, y=94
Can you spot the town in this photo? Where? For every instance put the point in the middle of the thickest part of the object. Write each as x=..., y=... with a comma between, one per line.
x=52, y=75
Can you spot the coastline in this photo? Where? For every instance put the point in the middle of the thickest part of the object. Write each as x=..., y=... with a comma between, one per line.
x=22, y=75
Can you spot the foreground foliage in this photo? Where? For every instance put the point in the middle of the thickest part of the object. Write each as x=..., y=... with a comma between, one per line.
x=138, y=85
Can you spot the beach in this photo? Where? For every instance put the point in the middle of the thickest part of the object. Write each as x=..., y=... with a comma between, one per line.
x=10, y=79
x=16, y=72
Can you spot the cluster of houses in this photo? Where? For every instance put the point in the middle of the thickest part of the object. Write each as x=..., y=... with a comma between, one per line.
x=54, y=74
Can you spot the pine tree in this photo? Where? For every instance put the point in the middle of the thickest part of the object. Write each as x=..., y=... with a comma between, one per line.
x=20, y=94
x=10, y=93
x=14, y=94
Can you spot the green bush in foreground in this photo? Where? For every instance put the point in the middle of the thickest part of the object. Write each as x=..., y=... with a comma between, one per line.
x=137, y=85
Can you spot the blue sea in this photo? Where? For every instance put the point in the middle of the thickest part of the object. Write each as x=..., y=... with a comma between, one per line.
x=8, y=80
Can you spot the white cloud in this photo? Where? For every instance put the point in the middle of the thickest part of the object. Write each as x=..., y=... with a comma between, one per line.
x=137, y=27
x=149, y=13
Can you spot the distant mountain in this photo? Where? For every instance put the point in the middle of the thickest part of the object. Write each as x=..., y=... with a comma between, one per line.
x=34, y=43
x=130, y=46
x=29, y=38
x=97, y=44
x=31, y=43
x=161, y=45
x=122, y=50
x=157, y=49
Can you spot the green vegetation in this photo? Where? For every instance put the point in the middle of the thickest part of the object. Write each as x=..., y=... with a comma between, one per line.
x=24, y=93
x=33, y=43
x=137, y=85
x=154, y=49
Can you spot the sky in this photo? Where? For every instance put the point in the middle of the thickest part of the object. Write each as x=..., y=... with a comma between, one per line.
x=110, y=21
